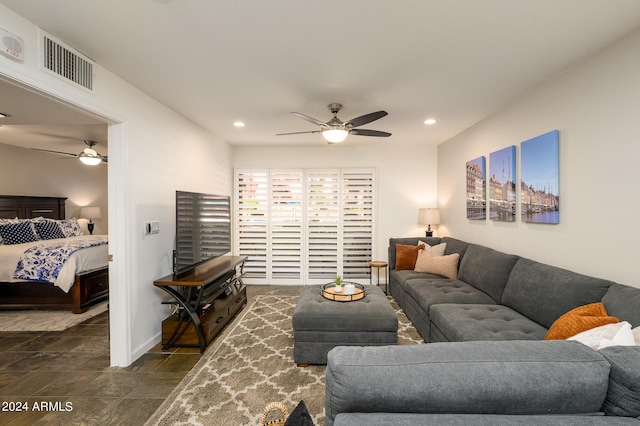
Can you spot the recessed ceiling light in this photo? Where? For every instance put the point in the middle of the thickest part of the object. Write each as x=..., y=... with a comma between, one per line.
x=430, y=121
x=238, y=124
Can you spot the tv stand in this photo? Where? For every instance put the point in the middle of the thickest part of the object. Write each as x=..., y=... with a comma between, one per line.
x=205, y=299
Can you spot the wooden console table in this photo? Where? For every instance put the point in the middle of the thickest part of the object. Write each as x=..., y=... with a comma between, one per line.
x=206, y=299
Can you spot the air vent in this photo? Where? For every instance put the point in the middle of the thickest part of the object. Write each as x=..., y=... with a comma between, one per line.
x=64, y=62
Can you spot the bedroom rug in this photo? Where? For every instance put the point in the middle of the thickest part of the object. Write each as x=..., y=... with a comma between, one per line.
x=46, y=320
x=249, y=366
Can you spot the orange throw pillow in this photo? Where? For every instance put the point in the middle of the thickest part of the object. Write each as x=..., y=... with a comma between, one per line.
x=406, y=256
x=580, y=319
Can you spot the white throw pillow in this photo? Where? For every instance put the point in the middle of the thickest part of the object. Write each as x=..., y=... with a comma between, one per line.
x=618, y=334
x=437, y=250
x=636, y=335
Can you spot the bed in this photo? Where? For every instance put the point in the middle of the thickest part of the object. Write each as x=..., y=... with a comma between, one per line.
x=82, y=281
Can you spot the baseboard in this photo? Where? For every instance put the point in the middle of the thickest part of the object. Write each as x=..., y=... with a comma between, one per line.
x=146, y=346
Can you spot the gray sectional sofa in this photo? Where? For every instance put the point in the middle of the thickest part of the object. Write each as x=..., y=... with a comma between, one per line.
x=487, y=362
x=499, y=296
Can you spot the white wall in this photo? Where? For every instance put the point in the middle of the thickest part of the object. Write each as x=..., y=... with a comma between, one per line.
x=405, y=177
x=152, y=152
x=82, y=185
x=595, y=106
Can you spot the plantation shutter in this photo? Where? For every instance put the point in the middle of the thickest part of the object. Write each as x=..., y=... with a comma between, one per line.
x=323, y=224
x=357, y=224
x=286, y=225
x=305, y=226
x=251, y=221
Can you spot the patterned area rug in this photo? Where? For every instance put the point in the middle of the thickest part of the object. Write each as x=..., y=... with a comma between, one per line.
x=251, y=365
x=46, y=320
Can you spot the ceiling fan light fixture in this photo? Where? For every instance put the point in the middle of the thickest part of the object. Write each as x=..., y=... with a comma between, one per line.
x=335, y=135
x=89, y=159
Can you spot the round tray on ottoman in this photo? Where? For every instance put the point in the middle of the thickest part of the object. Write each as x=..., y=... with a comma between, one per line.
x=329, y=292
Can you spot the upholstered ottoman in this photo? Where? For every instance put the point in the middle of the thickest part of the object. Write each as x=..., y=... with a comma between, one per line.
x=320, y=324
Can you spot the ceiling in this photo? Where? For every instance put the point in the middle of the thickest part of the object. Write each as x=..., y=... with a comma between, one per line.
x=217, y=62
x=39, y=122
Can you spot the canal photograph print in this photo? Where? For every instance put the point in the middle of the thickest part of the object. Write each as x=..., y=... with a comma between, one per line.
x=502, y=185
x=476, y=189
x=539, y=179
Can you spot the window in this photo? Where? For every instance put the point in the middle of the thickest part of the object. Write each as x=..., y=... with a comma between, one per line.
x=305, y=226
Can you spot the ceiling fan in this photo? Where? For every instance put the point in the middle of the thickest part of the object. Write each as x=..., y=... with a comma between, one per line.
x=336, y=130
x=88, y=156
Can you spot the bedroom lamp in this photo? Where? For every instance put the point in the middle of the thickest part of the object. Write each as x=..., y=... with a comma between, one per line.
x=428, y=217
x=90, y=213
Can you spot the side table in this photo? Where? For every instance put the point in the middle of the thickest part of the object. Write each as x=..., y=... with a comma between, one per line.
x=379, y=264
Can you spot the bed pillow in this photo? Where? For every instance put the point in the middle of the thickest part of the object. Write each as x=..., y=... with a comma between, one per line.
x=446, y=266
x=406, y=256
x=48, y=229
x=18, y=233
x=5, y=220
x=70, y=227
x=580, y=319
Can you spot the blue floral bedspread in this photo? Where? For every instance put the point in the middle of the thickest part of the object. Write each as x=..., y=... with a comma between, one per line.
x=44, y=261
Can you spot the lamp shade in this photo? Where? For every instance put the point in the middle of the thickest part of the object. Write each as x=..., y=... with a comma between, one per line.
x=90, y=212
x=428, y=217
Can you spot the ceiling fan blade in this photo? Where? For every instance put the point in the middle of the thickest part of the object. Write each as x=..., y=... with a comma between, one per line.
x=309, y=119
x=55, y=152
x=297, y=133
x=367, y=118
x=366, y=132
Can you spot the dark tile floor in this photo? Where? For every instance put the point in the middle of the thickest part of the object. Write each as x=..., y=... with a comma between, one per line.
x=64, y=378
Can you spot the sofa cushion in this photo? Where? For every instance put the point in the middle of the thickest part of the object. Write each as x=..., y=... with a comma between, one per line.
x=543, y=292
x=429, y=292
x=515, y=377
x=412, y=419
x=447, y=266
x=622, y=301
x=455, y=246
x=486, y=269
x=468, y=322
x=623, y=394
x=406, y=256
x=401, y=277
x=580, y=319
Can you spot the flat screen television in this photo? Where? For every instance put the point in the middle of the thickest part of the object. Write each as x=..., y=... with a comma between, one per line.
x=203, y=229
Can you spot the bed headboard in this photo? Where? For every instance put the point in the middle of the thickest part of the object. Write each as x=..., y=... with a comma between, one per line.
x=26, y=207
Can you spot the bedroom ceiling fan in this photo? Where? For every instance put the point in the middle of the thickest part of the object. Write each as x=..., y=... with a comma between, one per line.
x=88, y=156
x=336, y=130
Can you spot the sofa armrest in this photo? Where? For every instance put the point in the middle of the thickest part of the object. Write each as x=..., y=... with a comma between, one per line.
x=623, y=395
x=507, y=377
